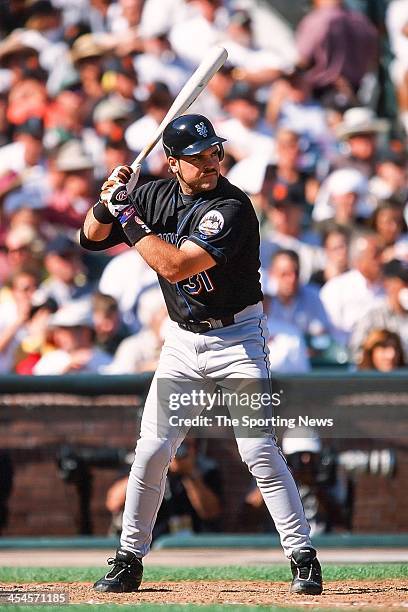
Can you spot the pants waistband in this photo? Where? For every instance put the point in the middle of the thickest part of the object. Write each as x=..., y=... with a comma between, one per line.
x=201, y=327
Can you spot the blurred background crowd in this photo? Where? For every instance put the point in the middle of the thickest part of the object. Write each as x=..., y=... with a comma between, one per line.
x=314, y=105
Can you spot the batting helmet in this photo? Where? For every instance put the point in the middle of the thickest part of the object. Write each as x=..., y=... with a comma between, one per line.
x=189, y=135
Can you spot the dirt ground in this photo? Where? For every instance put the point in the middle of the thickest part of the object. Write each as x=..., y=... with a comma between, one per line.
x=360, y=595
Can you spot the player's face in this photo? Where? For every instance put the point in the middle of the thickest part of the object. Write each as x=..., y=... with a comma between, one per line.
x=198, y=172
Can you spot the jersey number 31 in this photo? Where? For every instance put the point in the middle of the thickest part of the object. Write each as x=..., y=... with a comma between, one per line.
x=198, y=283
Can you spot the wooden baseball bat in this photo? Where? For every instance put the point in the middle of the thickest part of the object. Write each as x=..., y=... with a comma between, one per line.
x=209, y=66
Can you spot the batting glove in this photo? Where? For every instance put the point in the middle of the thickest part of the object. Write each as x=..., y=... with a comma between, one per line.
x=116, y=189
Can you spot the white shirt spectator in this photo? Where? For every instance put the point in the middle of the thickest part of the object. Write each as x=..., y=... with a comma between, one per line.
x=56, y=362
x=309, y=120
x=396, y=19
x=249, y=173
x=305, y=311
x=191, y=39
x=245, y=142
x=165, y=69
x=133, y=352
x=347, y=298
x=138, y=134
x=288, y=353
x=160, y=16
x=124, y=287
x=254, y=59
x=341, y=182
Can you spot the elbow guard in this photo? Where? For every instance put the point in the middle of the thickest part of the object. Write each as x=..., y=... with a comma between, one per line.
x=92, y=245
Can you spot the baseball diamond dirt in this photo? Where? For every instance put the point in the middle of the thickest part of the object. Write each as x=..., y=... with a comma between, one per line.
x=391, y=594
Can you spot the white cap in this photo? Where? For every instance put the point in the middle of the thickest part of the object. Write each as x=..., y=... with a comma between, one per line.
x=301, y=440
x=346, y=180
x=76, y=313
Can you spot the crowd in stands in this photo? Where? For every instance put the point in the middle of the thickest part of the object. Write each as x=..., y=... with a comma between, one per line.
x=83, y=85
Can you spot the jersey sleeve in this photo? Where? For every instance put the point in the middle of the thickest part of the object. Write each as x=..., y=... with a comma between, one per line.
x=221, y=230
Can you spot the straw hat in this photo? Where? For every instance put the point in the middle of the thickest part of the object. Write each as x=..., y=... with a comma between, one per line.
x=72, y=157
x=86, y=46
x=360, y=120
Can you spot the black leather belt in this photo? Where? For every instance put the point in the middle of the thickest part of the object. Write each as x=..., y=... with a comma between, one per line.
x=200, y=327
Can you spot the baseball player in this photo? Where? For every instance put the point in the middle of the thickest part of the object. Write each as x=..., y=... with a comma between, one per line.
x=201, y=235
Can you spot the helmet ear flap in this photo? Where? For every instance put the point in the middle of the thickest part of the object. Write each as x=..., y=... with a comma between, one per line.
x=221, y=152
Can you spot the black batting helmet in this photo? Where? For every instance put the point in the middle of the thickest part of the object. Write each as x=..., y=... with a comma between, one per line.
x=189, y=135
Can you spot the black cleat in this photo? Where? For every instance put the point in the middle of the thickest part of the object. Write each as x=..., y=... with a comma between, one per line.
x=306, y=572
x=125, y=576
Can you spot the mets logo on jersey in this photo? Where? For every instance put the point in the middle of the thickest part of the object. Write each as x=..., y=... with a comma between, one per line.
x=211, y=224
x=201, y=129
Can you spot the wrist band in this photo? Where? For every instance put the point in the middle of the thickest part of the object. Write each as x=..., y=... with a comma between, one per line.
x=101, y=213
x=134, y=228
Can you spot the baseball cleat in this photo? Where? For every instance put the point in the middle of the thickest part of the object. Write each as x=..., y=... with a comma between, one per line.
x=306, y=572
x=125, y=576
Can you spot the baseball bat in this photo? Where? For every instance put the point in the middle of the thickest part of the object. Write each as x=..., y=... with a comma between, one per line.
x=194, y=86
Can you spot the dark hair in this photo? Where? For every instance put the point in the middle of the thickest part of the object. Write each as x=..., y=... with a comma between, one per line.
x=335, y=229
x=293, y=256
x=104, y=303
x=388, y=205
x=380, y=337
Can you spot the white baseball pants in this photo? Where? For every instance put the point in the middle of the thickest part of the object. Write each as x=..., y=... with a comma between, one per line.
x=237, y=351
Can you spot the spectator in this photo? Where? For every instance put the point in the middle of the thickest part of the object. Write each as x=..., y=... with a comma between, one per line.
x=66, y=278
x=391, y=312
x=139, y=132
x=140, y=352
x=288, y=352
x=73, y=338
x=343, y=199
x=67, y=207
x=108, y=326
x=192, y=500
x=349, y=296
x=359, y=131
x=159, y=63
x=284, y=230
x=24, y=248
x=191, y=38
x=257, y=67
x=390, y=181
x=336, y=245
x=397, y=26
x=291, y=106
x=116, y=154
x=15, y=312
x=382, y=351
x=288, y=169
x=19, y=53
x=289, y=301
x=26, y=156
x=115, y=281
x=86, y=55
x=258, y=175
x=111, y=117
x=246, y=131
x=388, y=222
x=337, y=47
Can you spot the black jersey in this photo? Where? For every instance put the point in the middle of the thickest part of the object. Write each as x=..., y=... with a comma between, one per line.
x=221, y=221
